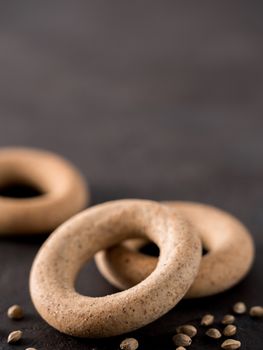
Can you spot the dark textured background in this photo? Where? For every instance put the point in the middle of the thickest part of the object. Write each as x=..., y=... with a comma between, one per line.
x=151, y=100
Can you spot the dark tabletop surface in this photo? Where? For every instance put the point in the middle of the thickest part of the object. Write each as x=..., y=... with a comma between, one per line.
x=150, y=100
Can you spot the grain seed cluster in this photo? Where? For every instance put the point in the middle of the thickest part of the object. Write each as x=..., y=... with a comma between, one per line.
x=227, y=329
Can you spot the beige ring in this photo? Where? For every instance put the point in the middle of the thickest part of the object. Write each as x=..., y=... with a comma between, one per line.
x=229, y=258
x=64, y=191
x=59, y=260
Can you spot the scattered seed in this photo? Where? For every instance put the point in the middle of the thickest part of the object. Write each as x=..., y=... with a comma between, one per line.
x=230, y=330
x=213, y=333
x=31, y=349
x=181, y=339
x=187, y=329
x=207, y=320
x=256, y=311
x=15, y=312
x=230, y=344
x=228, y=319
x=180, y=348
x=129, y=344
x=14, y=337
x=240, y=308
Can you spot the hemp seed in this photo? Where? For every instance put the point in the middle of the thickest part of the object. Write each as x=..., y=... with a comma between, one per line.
x=181, y=339
x=213, y=333
x=228, y=319
x=15, y=312
x=129, y=344
x=231, y=344
x=256, y=311
x=31, y=349
x=180, y=348
x=230, y=330
x=14, y=337
x=240, y=308
x=207, y=320
x=187, y=329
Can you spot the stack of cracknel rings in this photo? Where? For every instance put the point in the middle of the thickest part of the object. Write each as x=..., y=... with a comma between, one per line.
x=114, y=232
